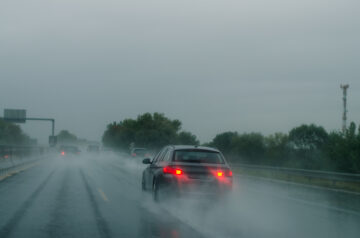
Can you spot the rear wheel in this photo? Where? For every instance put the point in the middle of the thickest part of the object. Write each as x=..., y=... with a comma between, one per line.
x=143, y=188
x=156, y=192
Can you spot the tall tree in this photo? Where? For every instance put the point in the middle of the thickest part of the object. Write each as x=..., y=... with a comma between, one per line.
x=148, y=130
x=225, y=142
x=308, y=137
x=11, y=133
x=250, y=147
x=65, y=137
x=186, y=138
x=276, y=148
x=343, y=150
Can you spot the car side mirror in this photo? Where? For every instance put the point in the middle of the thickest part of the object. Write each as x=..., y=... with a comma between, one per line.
x=146, y=161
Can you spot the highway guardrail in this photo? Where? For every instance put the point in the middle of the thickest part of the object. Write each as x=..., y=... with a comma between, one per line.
x=303, y=175
x=15, y=156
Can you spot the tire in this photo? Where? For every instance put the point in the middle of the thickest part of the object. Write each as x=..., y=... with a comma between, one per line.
x=143, y=188
x=156, y=192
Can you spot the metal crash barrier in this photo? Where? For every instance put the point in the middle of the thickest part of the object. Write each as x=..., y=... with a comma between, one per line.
x=13, y=157
x=316, y=177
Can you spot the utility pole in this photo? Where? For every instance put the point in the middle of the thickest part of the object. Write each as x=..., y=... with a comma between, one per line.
x=344, y=89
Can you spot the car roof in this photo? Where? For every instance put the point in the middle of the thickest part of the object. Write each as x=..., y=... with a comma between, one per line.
x=192, y=147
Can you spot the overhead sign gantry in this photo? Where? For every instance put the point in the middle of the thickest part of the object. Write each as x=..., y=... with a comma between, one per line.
x=19, y=116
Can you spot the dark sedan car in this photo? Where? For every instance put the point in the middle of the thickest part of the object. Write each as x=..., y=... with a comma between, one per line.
x=187, y=170
x=67, y=150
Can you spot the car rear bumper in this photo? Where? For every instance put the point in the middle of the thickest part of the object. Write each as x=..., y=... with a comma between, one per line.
x=196, y=187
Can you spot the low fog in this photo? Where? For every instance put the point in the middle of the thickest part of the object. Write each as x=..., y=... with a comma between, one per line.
x=212, y=66
x=99, y=194
x=256, y=207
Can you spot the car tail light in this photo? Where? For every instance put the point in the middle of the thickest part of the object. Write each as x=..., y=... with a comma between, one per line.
x=171, y=170
x=221, y=173
x=178, y=171
x=133, y=154
x=62, y=152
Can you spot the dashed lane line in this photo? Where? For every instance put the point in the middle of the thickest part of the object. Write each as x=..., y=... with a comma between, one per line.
x=103, y=195
x=12, y=223
x=101, y=223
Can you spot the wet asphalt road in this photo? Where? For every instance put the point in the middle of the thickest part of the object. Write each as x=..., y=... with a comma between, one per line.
x=100, y=196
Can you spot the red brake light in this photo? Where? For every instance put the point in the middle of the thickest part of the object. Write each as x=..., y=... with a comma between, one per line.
x=133, y=154
x=62, y=152
x=167, y=170
x=221, y=173
x=170, y=170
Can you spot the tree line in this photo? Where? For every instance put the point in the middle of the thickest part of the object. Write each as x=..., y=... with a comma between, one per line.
x=305, y=146
x=11, y=134
x=147, y=130
x=64, y=137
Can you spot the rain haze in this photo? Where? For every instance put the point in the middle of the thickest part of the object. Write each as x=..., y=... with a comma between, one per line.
x=180, y=119
x=258, y=65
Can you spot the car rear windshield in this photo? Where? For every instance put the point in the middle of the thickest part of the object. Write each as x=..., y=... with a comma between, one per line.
x=198, y=156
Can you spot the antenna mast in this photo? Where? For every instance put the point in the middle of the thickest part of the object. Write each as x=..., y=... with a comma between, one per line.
x=344, y=89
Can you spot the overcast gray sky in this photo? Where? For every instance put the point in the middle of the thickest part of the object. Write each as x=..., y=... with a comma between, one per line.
x=216, y=65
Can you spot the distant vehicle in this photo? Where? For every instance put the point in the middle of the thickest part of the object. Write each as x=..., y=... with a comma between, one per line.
x=93, y=149
x=187, y=170
x=66, y=150
x=139, y=152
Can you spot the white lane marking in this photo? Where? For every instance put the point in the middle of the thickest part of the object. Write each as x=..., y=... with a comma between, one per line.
x=18, y=170
x=103, y=195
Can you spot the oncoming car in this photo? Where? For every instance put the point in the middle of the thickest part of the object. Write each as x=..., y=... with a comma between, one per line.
x=187, y=170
